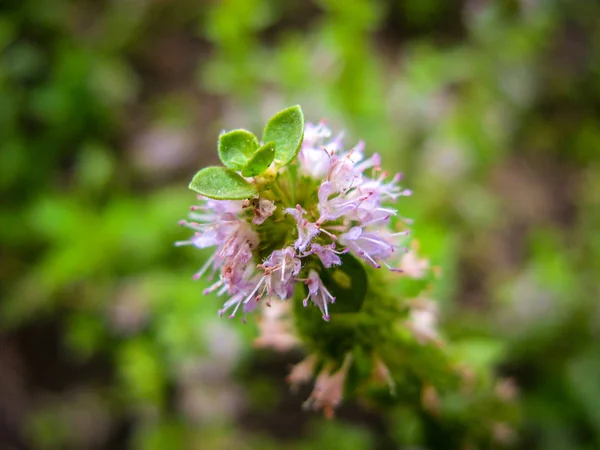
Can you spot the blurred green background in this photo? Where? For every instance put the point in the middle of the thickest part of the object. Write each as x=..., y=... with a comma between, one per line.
x=107, y=108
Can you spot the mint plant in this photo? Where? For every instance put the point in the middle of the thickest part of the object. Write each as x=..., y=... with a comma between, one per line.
x=307, y=233
x=304, y=217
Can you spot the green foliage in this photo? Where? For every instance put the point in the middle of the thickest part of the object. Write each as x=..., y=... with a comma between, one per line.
x=348, y=283
x=260, y=161
x=141, y=372
x=286, y=129
x=240, y=150
x=236, y=148
x=221, y=183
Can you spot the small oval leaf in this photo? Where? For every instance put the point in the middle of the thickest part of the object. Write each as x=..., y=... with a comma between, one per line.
x=222, y=184
x=260, y=161
x=347, y=283
x=236, y=148
x=286, y=129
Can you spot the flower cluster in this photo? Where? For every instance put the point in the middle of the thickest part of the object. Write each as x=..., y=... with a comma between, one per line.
x=295, y=215
x=325, y=205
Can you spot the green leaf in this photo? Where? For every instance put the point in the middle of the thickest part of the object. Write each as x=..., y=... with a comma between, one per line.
x=286, y=129
x=222, y=184
x=260, y=161
x=236, y=148
x=347, y=283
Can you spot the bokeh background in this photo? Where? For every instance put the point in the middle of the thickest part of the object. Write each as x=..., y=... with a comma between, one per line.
x=107, y=108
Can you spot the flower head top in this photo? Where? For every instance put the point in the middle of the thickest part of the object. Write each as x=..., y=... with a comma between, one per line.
x=289, y=210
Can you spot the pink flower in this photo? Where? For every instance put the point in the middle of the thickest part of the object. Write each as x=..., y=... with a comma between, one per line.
x=315, y=155
x=369, y=246
x=362, y=165
x=234, y=238
x=247, y=292
x=383, y=190
x=276, y=328
x=318, y=294
x=302, y=372
x=329, y=388
x=306, y=230
x=280, y=271
x=342, y=174
x=337, y=206
x=423, y=321
x=314, y=134
x=412, y=266
x=327, y=254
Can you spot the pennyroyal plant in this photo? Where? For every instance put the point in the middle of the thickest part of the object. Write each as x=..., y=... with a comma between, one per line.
x=286, y=211
x=307, y=233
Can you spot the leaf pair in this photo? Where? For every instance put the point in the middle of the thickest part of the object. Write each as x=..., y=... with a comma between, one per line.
x=240, y=151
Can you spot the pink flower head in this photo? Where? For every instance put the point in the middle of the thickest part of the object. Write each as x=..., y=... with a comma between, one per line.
x=346, y=190
x=341, y=201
